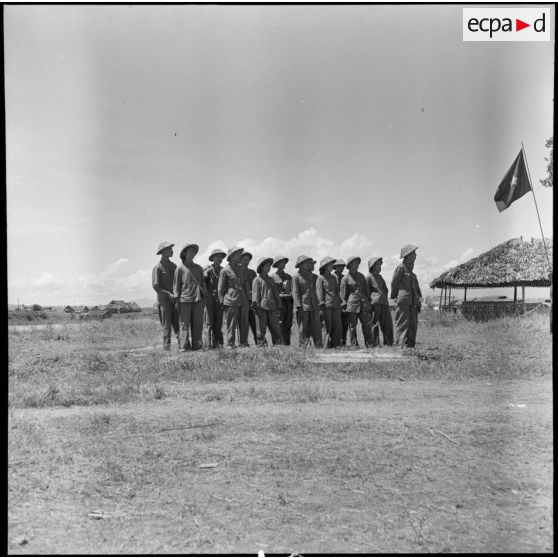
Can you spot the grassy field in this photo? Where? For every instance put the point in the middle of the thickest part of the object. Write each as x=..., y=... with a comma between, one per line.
x=447, y=451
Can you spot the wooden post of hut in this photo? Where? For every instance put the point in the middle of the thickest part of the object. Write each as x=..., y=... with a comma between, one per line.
x=441, y=294
x=523, y=297
x=465, y=294
x=515, y=294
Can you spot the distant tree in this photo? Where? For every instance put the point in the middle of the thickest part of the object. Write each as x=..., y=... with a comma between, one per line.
x=37, y=308
x=548, y=180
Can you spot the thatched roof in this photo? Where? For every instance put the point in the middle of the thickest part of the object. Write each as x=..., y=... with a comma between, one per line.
x=514, y=263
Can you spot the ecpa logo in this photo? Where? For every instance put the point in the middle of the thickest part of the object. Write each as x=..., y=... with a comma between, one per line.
x=506, y=24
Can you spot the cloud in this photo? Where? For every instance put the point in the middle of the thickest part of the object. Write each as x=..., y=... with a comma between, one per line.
x=119, y=281
x=113, y=282
x=308, y=242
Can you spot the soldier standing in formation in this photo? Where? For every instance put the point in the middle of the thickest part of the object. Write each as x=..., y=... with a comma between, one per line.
x=162, y=281
x=245, y=260
x=266, y=302
x=213, y=307
x=406, y=292
x=189, y=289
x=338, y=268
x=233, y=294
x=329, y=300
x=355, y=298
x=284, y=284
x=381, y=315
x=306, y=302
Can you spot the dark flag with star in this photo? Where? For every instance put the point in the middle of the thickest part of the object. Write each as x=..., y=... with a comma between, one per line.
x=515, y=184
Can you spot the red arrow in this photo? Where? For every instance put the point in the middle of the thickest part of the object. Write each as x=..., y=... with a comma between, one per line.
x=519, y=25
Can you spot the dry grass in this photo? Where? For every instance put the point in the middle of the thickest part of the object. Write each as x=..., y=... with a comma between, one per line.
x=429, y=455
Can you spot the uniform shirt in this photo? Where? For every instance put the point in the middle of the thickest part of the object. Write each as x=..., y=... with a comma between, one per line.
x=327, y=290
x=211, y=278
x=250, y=276
x=284, y=284
x=338, y=278
x=378, y=288
x=404, y=286
x=232, y=288
x=304, y=290
x=355, y=293
x=265, y=294
x=187, y=282
x=162, y=278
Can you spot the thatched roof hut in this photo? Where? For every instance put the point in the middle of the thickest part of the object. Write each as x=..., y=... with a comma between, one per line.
x=514, y=263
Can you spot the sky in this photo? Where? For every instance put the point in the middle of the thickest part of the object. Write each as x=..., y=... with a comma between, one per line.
x=318, y=130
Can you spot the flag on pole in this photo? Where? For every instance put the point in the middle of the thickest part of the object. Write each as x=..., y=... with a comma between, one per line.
x=515, y=184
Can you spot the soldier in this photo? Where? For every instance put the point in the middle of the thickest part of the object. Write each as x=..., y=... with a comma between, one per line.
x=329, y=301
x=233, y=295
x=213, y=307
x=189, y=289
x=381, y=315
x=284, y=284
x=305, y=302
x=266, y=301
x=245, y=259
x=406, y=292
x=355, y=297
x=162, y=279
x=338, y=268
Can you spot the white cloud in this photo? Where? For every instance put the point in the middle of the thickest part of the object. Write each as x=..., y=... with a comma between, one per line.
x=117, y=281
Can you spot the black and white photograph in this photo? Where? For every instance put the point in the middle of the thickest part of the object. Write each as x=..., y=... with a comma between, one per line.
x=279, y=278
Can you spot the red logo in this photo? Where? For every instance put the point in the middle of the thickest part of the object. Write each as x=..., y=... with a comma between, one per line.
x=519, y=25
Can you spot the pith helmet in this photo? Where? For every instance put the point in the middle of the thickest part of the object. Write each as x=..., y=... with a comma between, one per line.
x=277, y=259
x=188, y=245
x=352, y=259
x=233, y=250
x=163, y=245
x=216, y=252
x=339, y=262
x=373, y=260
x=407, y=249
x=261, y=263
x=246, y=253
x=326, y=261
x=301, y=259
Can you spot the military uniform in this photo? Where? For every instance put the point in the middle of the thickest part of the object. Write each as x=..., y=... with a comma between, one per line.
x=233, y=295
x=406, y=291
x=266, y=301
x=327, y=291
x=189, y=289
x=344, y=318
x=162, y=279
x=381, y=314
x=355, y=296
x=306, y=306
x=284, y=284
x=252, y=317
x=213, y=313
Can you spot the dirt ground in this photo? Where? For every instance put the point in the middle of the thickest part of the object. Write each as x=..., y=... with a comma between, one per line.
x=352, y=465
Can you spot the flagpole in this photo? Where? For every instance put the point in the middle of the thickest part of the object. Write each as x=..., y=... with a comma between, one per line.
x=536, y=207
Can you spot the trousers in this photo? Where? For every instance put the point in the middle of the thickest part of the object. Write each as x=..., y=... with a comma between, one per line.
x=309, y=327
x=286, y=320
x=168, y=316
x=331, y=327
x=406, y=322
x=191, y=320
x=237, y=316
x=365, y=324
x=381, y=320
x=268, y=319
x=213, y=315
